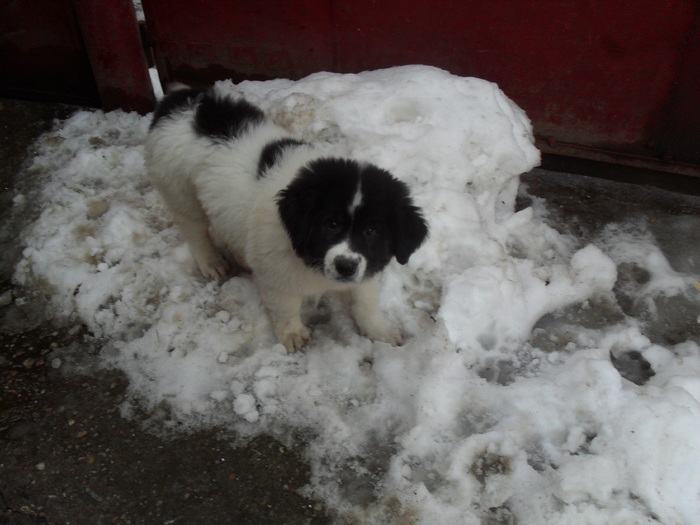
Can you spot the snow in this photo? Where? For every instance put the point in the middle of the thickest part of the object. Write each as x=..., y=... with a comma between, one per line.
x=501, y=407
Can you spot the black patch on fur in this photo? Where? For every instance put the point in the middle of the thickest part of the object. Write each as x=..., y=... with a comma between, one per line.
x=217, y=116
x=175, y=102
x=224, y=118
x=315, y=209
x=387, y=202
x=272, y=153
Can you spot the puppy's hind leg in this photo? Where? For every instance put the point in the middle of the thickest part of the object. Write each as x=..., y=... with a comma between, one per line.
x=194, y=226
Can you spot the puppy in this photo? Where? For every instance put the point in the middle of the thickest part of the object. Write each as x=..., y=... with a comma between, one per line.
x=301, y=221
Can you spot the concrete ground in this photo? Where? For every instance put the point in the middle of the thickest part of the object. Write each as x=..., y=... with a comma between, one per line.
x=66, y=455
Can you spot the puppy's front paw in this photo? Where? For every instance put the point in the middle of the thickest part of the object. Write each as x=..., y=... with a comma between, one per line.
x=381, y=329
x=295, y=340
x=212, y=266
x=293, y=335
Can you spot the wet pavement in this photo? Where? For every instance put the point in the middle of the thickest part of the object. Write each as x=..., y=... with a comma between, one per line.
x=67, y=455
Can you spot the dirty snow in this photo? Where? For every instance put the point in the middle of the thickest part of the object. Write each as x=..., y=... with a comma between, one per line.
x=498, y=409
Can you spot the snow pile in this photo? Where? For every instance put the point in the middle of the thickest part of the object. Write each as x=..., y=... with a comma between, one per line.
x=493, y=411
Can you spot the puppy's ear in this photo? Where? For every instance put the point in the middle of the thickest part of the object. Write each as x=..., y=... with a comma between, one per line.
x=411, y=230
x=295, y=205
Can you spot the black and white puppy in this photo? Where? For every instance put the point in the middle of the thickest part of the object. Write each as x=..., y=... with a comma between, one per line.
x=301, y=221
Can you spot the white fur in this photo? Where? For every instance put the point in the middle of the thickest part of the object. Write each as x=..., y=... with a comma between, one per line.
x=213, y=193
x=357, y=199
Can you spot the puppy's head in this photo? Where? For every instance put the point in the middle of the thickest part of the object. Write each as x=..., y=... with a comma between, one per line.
x=347, y=220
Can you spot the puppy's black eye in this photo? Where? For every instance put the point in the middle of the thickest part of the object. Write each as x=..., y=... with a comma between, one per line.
x=371, y=231
x=332, y=224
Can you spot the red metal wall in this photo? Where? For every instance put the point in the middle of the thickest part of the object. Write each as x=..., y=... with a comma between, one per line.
x=201, y=40
x=42, y=55
x=618, y=76
x=118, y=61
x=85, y=52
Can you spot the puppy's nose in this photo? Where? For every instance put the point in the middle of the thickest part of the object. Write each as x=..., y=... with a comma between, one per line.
x=346, y=266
